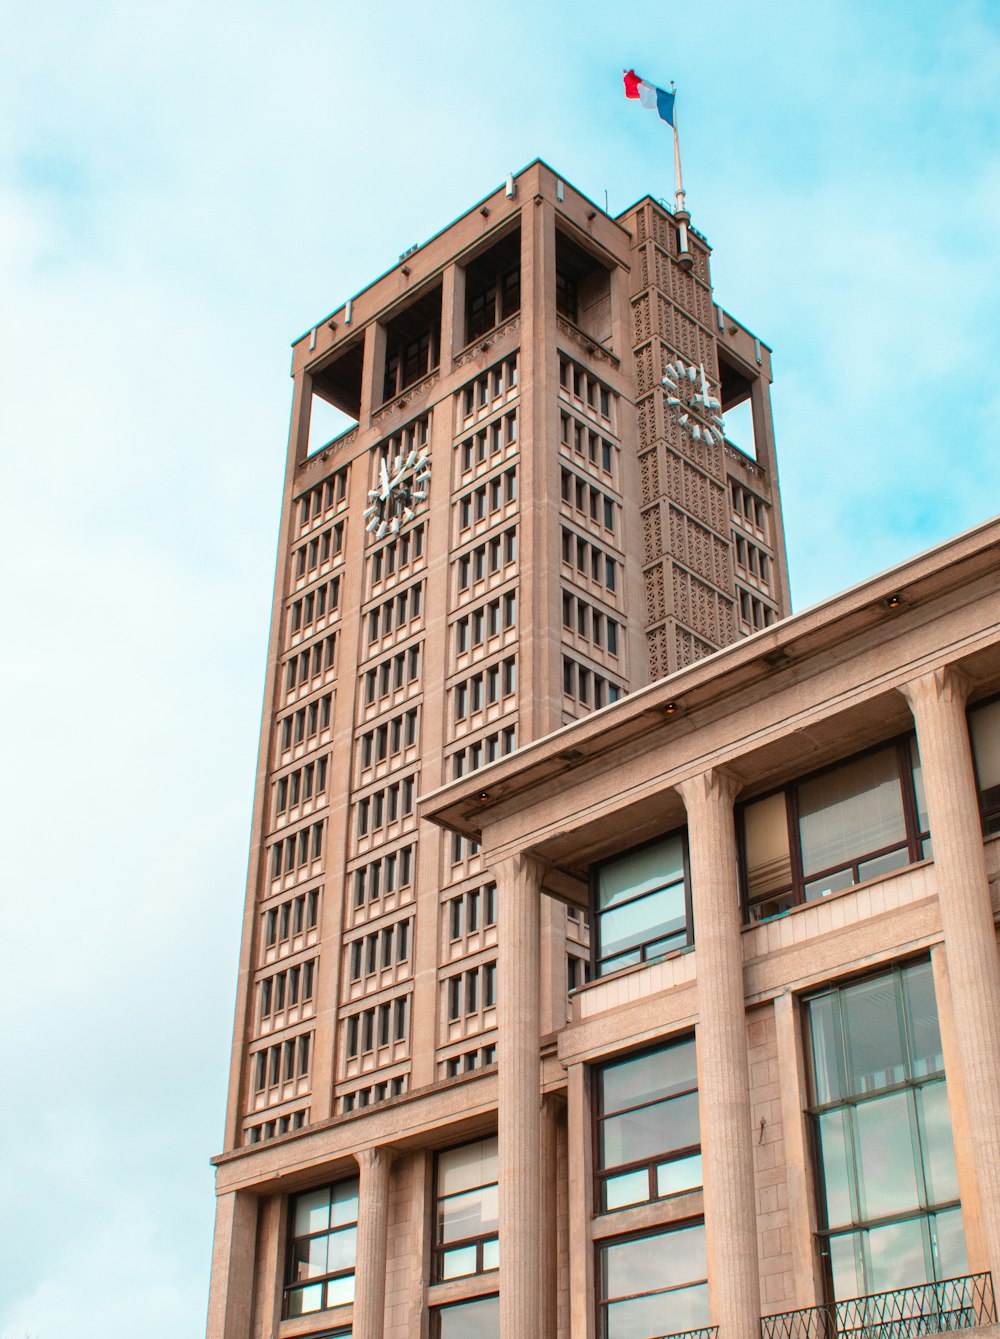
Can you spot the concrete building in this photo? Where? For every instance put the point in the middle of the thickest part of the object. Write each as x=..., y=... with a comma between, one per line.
x=553, y=1023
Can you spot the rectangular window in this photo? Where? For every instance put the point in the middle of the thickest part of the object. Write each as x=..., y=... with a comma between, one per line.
x=467, y=1209
x=856, y=821
x=321, y=1252
x=479, y=1318
x=641, y=904
x=889, y=1208
x=984, y=730
x=648, y=1132
x=654, y=1284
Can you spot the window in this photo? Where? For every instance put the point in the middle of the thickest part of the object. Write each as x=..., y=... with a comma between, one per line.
x=888, y=1190
x=479, y=1318
x=467, y=1222
x=648, y=1134
x=641, y=905
x=321, y=1252
x=858, y=820
x=984, y=728
x=654, y=1284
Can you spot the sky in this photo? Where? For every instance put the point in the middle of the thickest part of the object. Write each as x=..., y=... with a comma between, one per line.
x=185, y=189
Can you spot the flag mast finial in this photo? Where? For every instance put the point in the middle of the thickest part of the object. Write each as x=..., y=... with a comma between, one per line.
x=663, y=103
x=681, y=215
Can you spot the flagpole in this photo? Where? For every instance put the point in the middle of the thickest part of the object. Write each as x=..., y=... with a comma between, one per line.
x=681, y=215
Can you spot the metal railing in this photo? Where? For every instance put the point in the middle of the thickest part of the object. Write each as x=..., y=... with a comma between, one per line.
x=905, y=1313
x=706, y=1332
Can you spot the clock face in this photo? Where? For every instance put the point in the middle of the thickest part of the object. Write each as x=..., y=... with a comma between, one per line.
x=691, y=402
x=402, y=485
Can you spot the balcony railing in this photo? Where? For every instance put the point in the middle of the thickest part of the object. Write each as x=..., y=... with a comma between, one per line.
x=706, y=1332
x=905, y=1313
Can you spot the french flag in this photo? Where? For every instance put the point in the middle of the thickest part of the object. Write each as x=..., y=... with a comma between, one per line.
x=648, y=95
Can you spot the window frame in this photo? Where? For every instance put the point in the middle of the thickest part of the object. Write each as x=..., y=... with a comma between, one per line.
x=915, y=837
x=291, y=1285
x=989, y=813
x=598, y=1116
x=440, y=1249
x=911, y=1084
x=595, y=914
x=602, y=1300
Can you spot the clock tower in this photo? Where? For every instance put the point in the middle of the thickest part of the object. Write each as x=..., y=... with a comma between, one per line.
x=514, y=529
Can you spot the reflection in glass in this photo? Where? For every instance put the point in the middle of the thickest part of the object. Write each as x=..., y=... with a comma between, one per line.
x=655, y=1283
x=641, y=904
x=884, y=1149
x=470, y=1320
x=883, y=1138
x=854, y=808
x=875, y=1051
x=835, y=1160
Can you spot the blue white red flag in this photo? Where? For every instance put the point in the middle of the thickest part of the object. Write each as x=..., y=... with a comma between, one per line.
x=648, y=95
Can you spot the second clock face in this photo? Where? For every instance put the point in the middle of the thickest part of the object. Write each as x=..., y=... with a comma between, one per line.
x=402, y=484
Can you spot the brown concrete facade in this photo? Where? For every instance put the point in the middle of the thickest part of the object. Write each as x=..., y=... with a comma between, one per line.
x=519, y=530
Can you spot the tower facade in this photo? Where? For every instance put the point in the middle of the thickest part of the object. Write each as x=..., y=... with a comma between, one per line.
x=540, y=509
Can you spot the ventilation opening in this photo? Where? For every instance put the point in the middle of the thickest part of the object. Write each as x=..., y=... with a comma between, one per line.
x=583, y=290
x=493, y=286
x=412, y=343
x=336, y=400
x=737, y=408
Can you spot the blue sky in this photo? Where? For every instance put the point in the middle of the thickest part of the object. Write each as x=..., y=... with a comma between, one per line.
x=186, y=188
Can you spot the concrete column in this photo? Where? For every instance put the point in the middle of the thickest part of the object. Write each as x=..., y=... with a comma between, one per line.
x=373, y=1221
x=580, y=1176
x=230, y=1299
x=519, y=894
x=727, y=1150
x=937, y=701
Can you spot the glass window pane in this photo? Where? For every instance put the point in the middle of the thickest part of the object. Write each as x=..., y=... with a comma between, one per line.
x=342, y=1250
x=652, y=1130
x=469, y=1215
x=923, y=1032
x=846, y=1266
x=640, y=871
x=632, y=1188
x=883, y=864
x=673, y=1178
x=884, y=1151
x=934, y=1121
x=471, y=1320
x=344, y=1203
x=340, y=1292
x=827, y=884
x=768, y=856
x=467, y=1166
x=302, y=1301
x=312, y=1212
x=664, y=1260
x=824, y=1034
x=455, y=1264
x=949, y=1240
x=897, y=1255
x=984, y=729
x=650, y=917
x=309, y=1258
x=918, y=785
x=644, y=1078
x=835, y=1160
x=854, y=809
x=491, y=1254
x=874, y=1045
x=662, y=1313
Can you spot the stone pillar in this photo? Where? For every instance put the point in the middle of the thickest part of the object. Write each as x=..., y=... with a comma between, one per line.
x=518, y=879
x=937, y=701
x=723, y=1077
x=373, y=1220
x=230, y=1298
